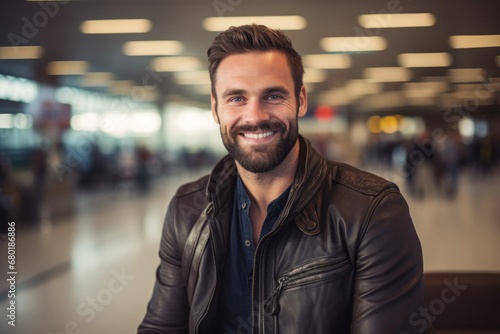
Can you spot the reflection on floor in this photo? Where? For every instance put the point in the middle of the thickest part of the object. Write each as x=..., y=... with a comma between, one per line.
x=94, y=272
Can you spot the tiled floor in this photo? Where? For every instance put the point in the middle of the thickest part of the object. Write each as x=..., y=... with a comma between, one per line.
x=93, y=272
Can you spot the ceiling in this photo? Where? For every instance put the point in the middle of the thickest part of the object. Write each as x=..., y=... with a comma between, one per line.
x=57, y=29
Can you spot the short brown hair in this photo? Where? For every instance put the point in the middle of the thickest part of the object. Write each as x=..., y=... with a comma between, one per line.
x=248, y=38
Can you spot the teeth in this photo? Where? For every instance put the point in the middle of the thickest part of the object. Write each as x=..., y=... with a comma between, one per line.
x=258, y=135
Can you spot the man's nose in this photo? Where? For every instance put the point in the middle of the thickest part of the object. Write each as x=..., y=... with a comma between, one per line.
x=255, y=113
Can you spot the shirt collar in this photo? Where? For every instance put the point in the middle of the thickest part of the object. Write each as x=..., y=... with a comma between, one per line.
x=243, y=200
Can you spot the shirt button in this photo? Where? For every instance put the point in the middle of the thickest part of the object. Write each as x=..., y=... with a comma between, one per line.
x=244, y=205
x=247, y=243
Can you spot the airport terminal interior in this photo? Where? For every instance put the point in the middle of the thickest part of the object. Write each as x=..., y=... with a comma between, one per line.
x=105, y=112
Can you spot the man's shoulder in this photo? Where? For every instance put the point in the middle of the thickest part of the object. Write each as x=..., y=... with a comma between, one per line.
x=360, y=180
x=192, y=187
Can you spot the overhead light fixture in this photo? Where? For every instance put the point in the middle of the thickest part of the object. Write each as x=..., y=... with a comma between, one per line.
x=88, y=121
x=97, y=79
x=327, y=61
x=6, y=121
x=283, y=22
x=434, y=59
x=192, y=78
x=152, y=48
x=467, y=75
x=121, y=87
x=424, y=89
x=391, y=99
x=176, y=64
x=353, y=44
x=67, y=67
x=360, y=87
x=127, y=26
x=21, y=52
x=334, y=97
x=403, y=20
x=474, y=41
x=387, y=74
x=313, y=75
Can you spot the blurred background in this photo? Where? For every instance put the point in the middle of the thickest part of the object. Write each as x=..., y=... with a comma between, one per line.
x=104, y=112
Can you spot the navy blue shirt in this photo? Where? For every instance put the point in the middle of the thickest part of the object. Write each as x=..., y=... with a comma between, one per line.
x=235, y=304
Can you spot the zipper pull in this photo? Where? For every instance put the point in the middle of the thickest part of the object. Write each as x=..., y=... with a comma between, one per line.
x=271, y=305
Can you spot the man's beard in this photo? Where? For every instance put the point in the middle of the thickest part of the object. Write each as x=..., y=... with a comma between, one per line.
x=261, y=158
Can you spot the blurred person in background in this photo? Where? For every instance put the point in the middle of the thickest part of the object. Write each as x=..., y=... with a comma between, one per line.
x=448, y=158
x=278, y=239
x=39, y=185
x=143, y=177
x=420, y=165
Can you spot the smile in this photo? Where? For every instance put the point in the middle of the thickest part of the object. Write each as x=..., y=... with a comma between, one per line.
x=258, y=135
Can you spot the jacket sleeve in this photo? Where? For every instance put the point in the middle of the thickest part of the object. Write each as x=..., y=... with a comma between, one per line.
x=388, y=289
x=168, y=309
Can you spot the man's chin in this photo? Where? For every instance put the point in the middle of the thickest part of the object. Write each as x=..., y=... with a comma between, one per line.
x=258, y=166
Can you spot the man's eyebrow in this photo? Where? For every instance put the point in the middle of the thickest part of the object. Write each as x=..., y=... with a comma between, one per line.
x=269, y=90
x=232, y=92
x=276, y=89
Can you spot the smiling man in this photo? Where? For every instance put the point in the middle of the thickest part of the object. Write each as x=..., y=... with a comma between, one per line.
x=277, y=239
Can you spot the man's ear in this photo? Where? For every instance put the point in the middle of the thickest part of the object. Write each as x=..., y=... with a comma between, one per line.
x=302, y=110
x=213, y=104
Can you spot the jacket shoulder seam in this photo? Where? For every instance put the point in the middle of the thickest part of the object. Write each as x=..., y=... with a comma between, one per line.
x=360, y=181
x=192, y=187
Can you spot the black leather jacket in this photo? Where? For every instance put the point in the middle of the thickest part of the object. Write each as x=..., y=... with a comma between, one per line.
x=342, y=258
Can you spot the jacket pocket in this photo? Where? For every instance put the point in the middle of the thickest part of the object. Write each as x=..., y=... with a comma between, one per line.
x=316, y=271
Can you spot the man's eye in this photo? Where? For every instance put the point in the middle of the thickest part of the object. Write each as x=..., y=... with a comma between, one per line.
x=236, y=99
x=274, y=97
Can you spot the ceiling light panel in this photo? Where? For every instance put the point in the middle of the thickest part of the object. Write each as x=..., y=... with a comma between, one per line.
x=314, y=75
x=130, y=26
x=176, y=64
x=284, y=22
x=21, y=52
x=327, y=61
x=424, y=89
x=467, y=75
x=360, y=87
x=97, y=79
x=387, y=74
x=67, y=67
x=192, y=78
x=152, y=48
x=353, y=44
x=434, y=59
x=403, y=20
x=474, y=41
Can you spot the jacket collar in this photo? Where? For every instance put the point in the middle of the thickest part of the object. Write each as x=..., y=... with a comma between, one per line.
x=311, y=171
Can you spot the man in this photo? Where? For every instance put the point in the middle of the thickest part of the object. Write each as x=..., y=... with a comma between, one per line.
x=277, y=239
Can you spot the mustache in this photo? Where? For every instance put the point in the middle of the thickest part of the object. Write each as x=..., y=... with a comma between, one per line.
x=274, y=126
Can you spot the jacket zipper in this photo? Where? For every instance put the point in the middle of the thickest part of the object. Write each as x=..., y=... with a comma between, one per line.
x=263, y=244
x=272, y=303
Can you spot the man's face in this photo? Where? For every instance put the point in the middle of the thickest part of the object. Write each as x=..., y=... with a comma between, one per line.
x=256, y=109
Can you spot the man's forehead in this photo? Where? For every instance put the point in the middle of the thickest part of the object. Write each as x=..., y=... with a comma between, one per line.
x=266, y=68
